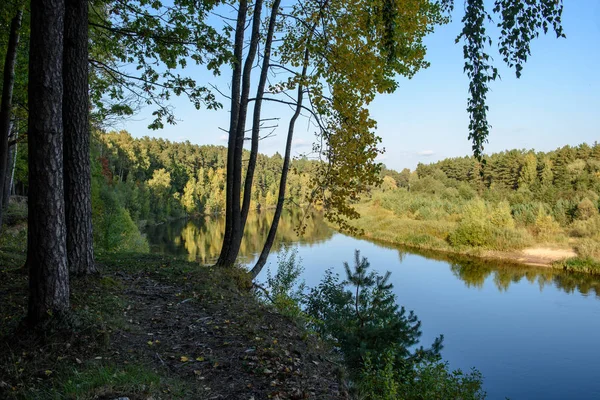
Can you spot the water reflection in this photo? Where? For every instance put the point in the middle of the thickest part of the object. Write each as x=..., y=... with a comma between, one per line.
x=475, y=271
x=201, y=239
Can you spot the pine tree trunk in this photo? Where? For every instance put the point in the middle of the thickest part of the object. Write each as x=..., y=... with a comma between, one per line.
x=6, y=107
x=232, y=218
x=78, y=198
x=47, y=250
x=262, y=259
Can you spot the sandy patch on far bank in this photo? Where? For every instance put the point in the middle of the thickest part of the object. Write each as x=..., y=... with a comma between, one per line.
x=538, y=256
x=549, y=254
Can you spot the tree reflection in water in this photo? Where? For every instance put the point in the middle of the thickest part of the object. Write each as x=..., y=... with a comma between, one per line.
x=200, y=239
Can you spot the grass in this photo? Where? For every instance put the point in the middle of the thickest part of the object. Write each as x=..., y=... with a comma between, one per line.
x=99, y=379
x=580, y=264
x=380, y=224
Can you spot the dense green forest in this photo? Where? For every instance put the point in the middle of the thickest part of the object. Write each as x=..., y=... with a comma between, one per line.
x=151, y=180
x=174, y=179
x=513, y=200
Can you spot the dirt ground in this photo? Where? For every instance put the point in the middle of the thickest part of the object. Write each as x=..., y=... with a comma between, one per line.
x=191, y=326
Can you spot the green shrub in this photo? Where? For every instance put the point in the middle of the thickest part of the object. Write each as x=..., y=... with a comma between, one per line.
x=586, y=229
x=525, y=214
x=586, y=209
x=581, y=264
x=429, y=185
x=502, y=216
x=15, y=213
x=588, y=248
x=365, y=320
x=283, y=289
x=427, y=381
x=485, y=235
x=378, y=339
x=474, y=229
x=450, y=193
x=475, y=233
x=114, y=230
x=508, y=239
x=475, y=210
x=466, y=191
x=379, y=380
x=493, y=229
x=545, y=226
x=564, y=211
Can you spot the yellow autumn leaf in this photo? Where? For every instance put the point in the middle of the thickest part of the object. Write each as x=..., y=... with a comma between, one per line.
x=184, y=359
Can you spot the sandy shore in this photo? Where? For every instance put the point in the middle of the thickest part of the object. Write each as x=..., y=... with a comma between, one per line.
x=535, y=256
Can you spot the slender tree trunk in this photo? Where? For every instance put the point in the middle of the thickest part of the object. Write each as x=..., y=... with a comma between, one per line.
x=10, y=165
x=230, y=216
x=7, y=172
x=47, y=249
x=13, y=165
x=237, y=228
x=6, y=107
x=77, y=170
x=262, y=259
x=256, y=119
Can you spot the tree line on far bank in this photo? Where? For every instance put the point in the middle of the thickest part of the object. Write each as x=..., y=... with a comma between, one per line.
x=516, y=199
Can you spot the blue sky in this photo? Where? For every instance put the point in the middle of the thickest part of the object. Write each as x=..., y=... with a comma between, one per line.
x=555, y=102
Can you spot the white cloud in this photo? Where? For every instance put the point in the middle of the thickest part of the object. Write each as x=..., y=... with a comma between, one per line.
x=426, y=153
x=301, y=143
x=223, y=138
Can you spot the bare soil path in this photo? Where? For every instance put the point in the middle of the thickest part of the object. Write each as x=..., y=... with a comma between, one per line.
x=197, y=329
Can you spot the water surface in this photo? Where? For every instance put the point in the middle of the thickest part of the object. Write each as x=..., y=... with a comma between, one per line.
x=533, y=333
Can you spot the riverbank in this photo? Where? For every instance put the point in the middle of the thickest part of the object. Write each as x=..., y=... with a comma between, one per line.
x=159, y=327
x=380, y=224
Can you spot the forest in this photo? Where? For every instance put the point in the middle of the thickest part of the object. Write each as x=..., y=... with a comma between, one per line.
x=517, y=199
x=149, y=181
x=88, y=312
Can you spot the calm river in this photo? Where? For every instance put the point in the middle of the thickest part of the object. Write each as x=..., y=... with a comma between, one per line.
x=533, y=333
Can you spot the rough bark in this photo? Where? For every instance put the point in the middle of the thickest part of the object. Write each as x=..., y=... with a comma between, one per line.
x=230, y=216
x=46, y=252
x=256, y=117
x=262, y=259
x=237, y=228
x=77, y=170
x=6, y=107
